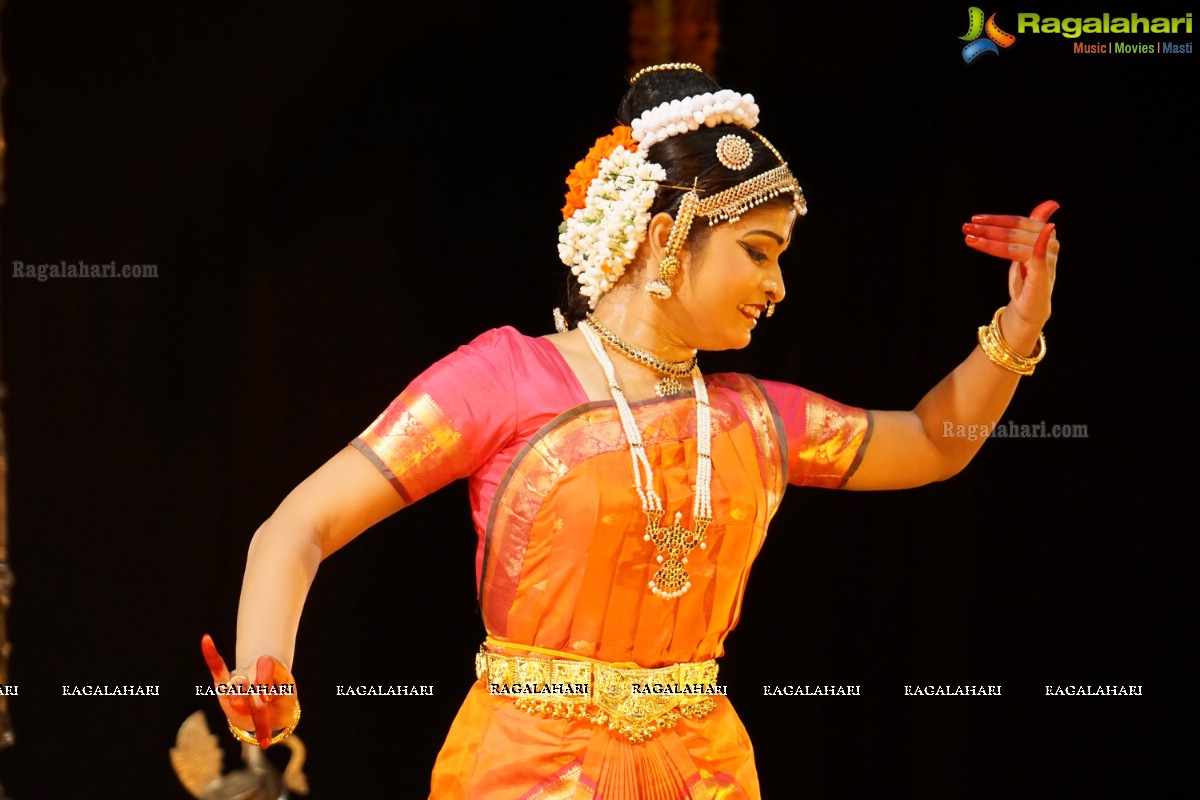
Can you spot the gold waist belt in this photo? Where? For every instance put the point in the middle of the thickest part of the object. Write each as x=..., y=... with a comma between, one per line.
x=634, y=702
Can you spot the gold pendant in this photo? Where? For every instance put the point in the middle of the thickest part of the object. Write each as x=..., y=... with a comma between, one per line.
x=673, y=544
x=668, y=386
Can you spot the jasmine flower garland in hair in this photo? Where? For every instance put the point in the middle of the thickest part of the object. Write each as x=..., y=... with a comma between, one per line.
x=598, y=240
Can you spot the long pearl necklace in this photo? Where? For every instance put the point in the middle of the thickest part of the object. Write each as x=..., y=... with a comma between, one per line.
x=673, y=542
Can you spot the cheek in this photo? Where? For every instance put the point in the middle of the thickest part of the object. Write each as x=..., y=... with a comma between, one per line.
x=721, y=301
x=722, y=280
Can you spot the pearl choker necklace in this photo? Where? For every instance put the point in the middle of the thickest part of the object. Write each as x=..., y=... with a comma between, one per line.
x=673, y=542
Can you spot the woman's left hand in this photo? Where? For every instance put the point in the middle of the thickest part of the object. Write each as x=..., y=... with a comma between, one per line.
x=1032, y=246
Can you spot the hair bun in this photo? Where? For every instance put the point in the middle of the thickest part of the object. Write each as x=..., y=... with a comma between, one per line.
x=660, y=84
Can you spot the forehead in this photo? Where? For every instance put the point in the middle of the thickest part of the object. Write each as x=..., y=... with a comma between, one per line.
x=775, y=218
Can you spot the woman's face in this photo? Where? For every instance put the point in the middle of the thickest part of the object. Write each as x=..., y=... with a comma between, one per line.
x=730, y=277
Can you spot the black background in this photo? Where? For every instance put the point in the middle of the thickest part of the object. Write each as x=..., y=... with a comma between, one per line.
x=335, y=195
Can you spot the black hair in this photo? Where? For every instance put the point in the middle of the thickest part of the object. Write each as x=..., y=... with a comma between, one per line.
x=688, y=159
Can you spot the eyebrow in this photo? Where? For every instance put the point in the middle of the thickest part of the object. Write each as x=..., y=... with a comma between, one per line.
x=778, y=239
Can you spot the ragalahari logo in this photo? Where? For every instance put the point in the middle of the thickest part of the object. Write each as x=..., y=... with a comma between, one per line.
x=996, y=38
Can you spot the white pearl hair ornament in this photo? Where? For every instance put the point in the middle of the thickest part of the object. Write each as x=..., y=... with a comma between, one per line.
x=680, y=116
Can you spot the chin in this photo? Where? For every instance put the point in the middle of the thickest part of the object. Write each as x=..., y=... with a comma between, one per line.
x=738, y=341
x=742, y=338
x=734, y=335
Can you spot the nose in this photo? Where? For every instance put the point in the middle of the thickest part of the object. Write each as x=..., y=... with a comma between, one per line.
x=774, y=290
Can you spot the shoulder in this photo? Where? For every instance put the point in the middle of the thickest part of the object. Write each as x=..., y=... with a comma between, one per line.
x=504, y=336
x=508, y=354
x=738, y=382
x=784, y=400
x=745, y=390
x=499, y=343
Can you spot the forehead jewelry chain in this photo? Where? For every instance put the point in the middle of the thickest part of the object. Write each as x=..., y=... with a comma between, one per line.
x=671, y=371
x=673, y=542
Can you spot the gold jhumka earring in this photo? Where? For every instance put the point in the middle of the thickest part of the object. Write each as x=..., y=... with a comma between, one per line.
x=669, y=267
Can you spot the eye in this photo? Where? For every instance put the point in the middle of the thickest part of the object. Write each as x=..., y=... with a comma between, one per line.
x=756, y=255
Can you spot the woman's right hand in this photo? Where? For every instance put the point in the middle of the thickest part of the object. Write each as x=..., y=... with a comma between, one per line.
x=259, y=713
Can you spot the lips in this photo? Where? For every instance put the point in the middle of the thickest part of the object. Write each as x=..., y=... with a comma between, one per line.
x=751, y=312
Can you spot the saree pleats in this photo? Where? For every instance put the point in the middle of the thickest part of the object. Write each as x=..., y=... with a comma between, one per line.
x=497, y=752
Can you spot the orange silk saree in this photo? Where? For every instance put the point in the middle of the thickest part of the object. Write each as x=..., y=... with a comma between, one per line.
x=562, y=564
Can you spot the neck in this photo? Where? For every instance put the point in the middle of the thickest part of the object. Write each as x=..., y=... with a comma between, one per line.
x=643, y=322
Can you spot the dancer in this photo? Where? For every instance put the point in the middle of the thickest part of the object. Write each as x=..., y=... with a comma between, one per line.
x=620, y=493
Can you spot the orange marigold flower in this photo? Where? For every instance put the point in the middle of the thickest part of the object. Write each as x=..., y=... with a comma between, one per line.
x=587, y=169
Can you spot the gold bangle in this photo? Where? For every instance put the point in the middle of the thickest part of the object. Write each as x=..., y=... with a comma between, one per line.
x=1001, y=353
x=248, y=737
x=1038, y=354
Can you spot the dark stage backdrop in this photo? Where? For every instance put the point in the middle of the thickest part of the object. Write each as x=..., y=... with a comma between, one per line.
x=335, y=195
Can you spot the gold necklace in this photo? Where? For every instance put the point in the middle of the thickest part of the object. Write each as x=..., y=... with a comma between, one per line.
x=671, y=371
x=673, y=542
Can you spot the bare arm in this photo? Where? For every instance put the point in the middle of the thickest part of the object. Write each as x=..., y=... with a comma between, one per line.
x=913, y=448
x=343, y=498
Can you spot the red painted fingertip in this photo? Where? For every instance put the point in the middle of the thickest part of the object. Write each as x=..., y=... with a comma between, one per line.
x=977, y=218
x=1044, y=210
x=1039, y=249
x=212, y=658
x=972, y=239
